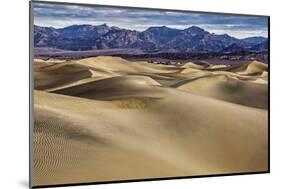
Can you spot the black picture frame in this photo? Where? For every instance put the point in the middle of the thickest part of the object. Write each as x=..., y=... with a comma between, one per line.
x=31, y=111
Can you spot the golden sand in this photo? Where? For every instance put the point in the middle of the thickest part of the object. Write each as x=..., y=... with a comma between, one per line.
x=106, y=118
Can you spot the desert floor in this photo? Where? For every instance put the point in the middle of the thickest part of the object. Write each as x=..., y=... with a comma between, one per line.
x=106, y=118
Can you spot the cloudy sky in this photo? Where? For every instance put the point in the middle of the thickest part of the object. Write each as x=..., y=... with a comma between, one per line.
x=60, y=15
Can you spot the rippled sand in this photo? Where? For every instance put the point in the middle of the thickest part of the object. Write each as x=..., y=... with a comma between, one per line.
x=106, y=118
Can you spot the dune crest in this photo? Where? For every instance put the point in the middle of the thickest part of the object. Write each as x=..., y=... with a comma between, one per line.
x=192, y=65
x=115, y=87
x=229, y=89
x=256, y=67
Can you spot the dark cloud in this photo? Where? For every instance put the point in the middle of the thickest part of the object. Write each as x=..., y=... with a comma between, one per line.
x=60, y=15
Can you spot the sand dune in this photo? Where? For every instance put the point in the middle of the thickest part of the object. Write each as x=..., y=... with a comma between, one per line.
x=264, y=74
x=106, y=118
x=256, y=68
x=250, y=68
x=115, y=88
x=116, y=64
x=88, y=140
x=192, y=65
x=50, y=75
x=215, y=67
x=226, y=88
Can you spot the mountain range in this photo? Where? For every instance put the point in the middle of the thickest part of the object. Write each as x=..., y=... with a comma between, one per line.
x=153, y=39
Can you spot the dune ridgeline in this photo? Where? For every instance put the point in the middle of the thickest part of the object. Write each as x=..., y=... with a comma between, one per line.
x=106, y=118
